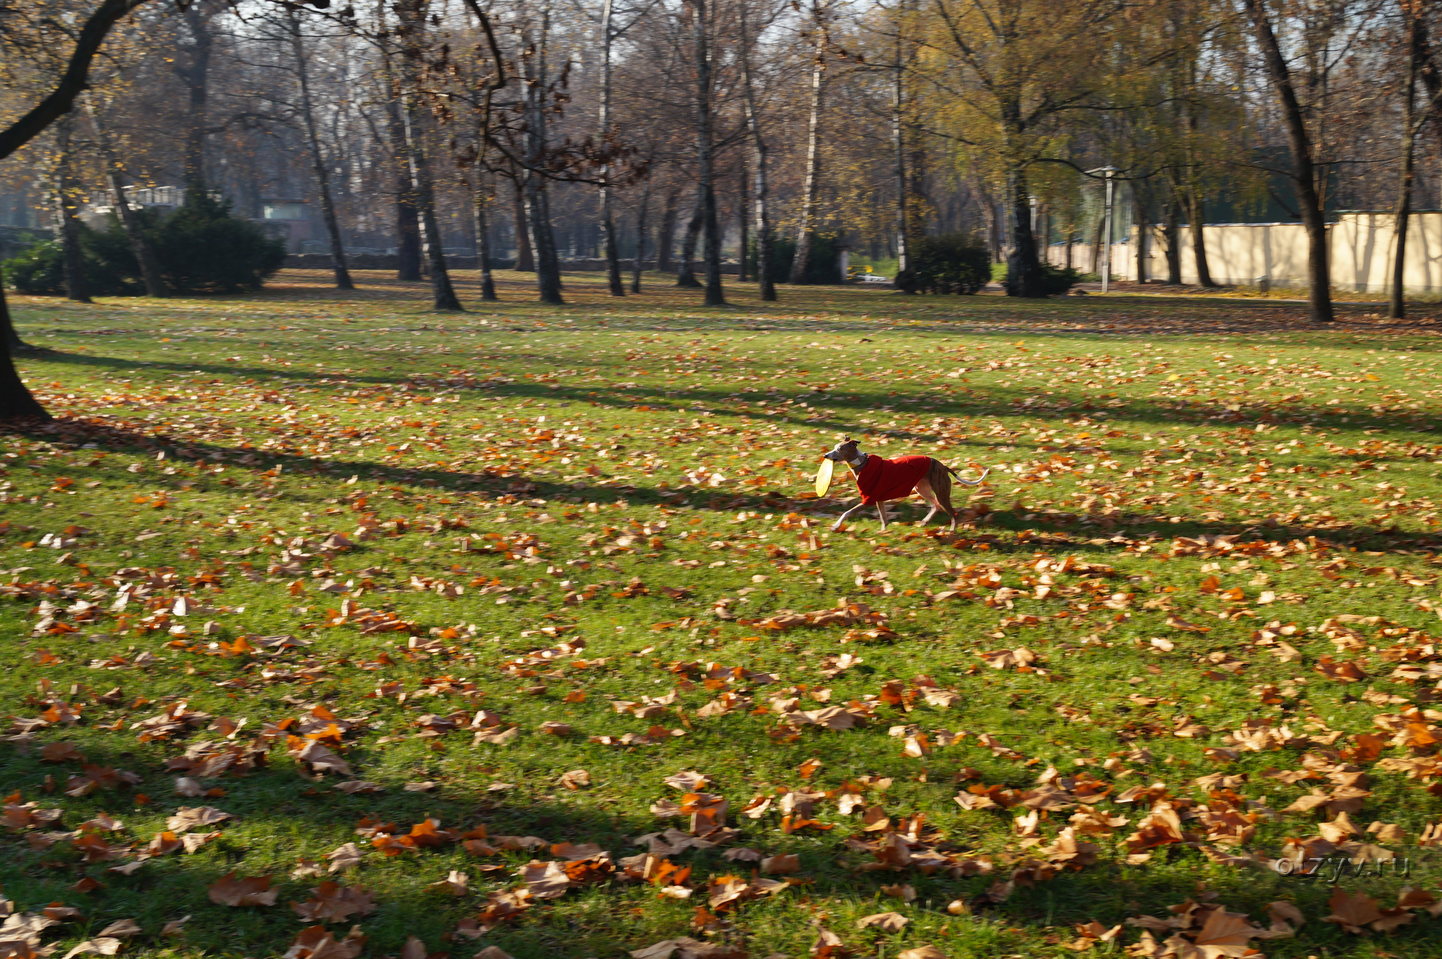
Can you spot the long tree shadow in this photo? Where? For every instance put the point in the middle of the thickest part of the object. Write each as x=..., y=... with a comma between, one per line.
x=982, y=401
x=1105, y=531
x=286, y=819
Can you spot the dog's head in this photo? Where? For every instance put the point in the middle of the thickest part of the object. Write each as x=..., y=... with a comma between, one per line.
x=845, y=451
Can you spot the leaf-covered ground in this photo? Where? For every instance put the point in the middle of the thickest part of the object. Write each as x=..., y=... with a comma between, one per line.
x=334, y=627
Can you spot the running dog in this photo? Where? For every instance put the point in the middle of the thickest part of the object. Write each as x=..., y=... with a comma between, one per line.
x=881, y=479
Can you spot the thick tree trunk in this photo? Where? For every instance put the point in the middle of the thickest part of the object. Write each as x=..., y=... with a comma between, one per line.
x=1172, y=233
x=317, y=156
x=766, y=281
x=639, y=263
x=140, y=246
x=686, y=271
x=811, y=188
x=195, y=73
x=67, y=223
x=1304, y=171
x=482, y=199
x=1023, y=268
x=537, y=204
x=17, y=403
x=408, y=220
x=525, y=256
x=413, y=42
x=1416, y=57
x=743, y=224
x=1144, y=231
x=608, y=218
x=666, y=236
x=705, y=156
x=1197, y=226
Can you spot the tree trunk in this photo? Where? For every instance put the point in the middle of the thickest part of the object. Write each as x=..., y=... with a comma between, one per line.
x=898, y=144
x=525, y=256
x=706, y=154
x=413, y=41
x=1304, y=172
x=482, y=199
x=686, y=272
x=1144, y=229
x=666, y=237
x=639, y=263
x=67, y=224
x=1199, y=238
x=608, y=219
x=17, y=404
x=766, y=282
x=1416, y=56
x=195, y=73
x=1023, y=269
x=537, y=204
x=408, y=221
x=811, y=189
x=1172, y=233
x=317, y=156
x=140, y=246
x=743, y=224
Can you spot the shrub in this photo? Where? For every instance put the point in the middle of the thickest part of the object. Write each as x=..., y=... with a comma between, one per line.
x=41, y=268
x=945, y=264
x=1056, y=280
x=201, y=247
x=823, y=266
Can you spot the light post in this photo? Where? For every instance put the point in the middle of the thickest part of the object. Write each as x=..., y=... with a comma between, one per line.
x=1106, y=174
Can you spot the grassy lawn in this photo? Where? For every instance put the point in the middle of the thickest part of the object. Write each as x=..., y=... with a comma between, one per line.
x=523, y=628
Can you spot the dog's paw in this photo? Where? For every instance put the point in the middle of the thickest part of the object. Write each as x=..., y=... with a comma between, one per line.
x=836, y=526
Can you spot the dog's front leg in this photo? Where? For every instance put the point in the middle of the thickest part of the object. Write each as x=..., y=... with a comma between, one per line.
x=881, y=513
x=845, y=516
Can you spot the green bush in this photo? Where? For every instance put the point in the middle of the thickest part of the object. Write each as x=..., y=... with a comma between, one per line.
x=823, y=266
x=201, y=247
x=1056, y=280
x=947, y=264
x=41, y=268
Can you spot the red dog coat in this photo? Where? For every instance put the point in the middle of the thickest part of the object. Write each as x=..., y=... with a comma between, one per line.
x=883, y=479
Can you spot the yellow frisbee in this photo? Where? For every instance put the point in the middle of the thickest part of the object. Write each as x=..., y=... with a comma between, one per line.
x=823, y=476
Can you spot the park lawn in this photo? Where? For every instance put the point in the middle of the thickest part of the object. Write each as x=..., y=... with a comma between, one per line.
x=496, y=594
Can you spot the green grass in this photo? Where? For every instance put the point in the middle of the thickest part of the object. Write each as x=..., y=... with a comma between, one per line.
x=1197, y=508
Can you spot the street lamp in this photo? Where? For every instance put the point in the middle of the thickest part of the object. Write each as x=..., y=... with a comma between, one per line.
x=1106, y=172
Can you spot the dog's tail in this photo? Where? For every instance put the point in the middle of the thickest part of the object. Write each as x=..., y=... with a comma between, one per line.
x=966, y=482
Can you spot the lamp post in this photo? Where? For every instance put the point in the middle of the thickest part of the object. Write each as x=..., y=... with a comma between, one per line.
x=1106, y=173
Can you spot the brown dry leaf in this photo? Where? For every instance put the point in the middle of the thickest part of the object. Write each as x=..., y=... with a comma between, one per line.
x=414, y=948
x=322, y=759
x=332, y=902
x=190, y=817
x=576, y=779
x=1353, y=911
x=922, y=952
x=492, y=952
x=1225, y=934
x=121, y=928
x=316, y=942
x=780, y=865
x=101, y=945
x=546, y=880
x=251, y=891
x=887, y=921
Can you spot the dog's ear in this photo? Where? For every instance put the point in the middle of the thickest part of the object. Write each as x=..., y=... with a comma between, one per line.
x=847, y=440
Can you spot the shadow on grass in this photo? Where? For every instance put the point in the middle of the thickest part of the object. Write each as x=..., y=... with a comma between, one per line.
x=1062, y=531
x=825, y=405
x=282, y=816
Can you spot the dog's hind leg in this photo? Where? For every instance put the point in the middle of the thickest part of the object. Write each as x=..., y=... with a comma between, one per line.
x=923, y=489
x=940, y=481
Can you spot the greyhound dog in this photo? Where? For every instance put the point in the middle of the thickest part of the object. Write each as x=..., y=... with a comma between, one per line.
x=880, y=480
